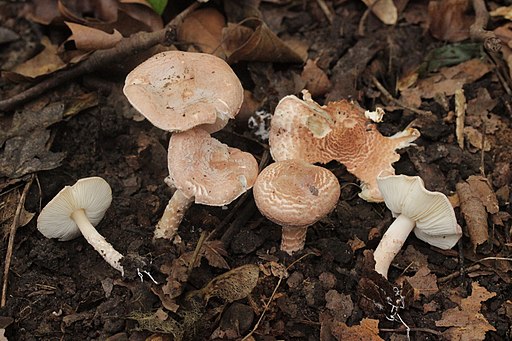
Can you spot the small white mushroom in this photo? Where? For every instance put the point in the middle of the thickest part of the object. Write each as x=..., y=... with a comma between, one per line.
x=76, y=210
x=429, y=214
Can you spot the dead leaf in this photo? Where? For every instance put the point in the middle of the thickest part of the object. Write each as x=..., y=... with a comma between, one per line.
x=448, y=19
x=424, y=282
x=7, y=35
x=232, y=285
x=315, y=79
x=214, y=253
x=385, y=10
x=340, y=305
x=8, y=204
x=367, y=330
x=42, y=11
x=481, y=189
x=47, y=61
x=474, y=214
x=203, y=29
x=254, y=41
x=475, y=138
x=465, y=321
x=91, y=39
x=503, y=11
x=355, y=243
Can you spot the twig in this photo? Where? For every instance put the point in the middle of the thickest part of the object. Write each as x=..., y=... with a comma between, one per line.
x=477, y=30
x=327, y=12
x=126, y=47
x=12, y=234
x=401, y=330
x=457, y=273
x=197, y=251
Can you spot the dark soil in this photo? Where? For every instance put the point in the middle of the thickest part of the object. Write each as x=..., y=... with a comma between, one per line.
x=65, y=291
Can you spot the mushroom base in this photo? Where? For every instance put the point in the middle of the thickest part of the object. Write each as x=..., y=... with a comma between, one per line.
x=173, y=215
x=293, y=238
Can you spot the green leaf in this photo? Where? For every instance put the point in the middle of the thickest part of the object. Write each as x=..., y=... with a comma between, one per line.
x=450, y=55
x=158, y=5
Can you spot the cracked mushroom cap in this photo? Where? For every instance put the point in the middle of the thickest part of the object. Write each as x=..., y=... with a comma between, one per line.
x=204, y=168
x=93, y=195
x=177, y=91
x=435, y=219
x=295, y=193
x=302, y=129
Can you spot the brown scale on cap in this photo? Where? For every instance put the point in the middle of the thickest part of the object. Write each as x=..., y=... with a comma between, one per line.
x=302, y=129
x=204, y=171
x=177, y=91
x=295, y=195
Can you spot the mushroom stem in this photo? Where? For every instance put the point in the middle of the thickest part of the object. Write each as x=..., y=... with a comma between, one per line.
x=97, y=241
x=173, y=215
x=293, y=238
x=391, y=243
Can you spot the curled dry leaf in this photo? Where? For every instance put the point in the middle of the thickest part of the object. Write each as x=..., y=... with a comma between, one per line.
x=385, y=10
x=203, y=29
x=254, y=41
x=367, y=329
x=90, y=39
x=304, y=130
x=233, y=285
x=465, y=321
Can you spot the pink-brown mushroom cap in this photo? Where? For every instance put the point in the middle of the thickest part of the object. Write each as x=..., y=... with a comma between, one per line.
x=177, y=91
x=204, y=168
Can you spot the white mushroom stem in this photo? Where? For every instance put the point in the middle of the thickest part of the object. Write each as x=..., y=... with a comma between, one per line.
x=97, y=241
x=173, y=215
x=391, y=243
x=293, y=238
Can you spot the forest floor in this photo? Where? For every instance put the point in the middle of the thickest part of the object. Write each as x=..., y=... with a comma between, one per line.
x=424, y=68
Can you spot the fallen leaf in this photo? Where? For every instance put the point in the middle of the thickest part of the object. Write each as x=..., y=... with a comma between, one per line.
x=339, y=305
x=424, y=282
x=385, y=10
x=465, y=321
x=90, y=39
x=448, y=19
x=503, y=11
x=475, y=139
x=315, y=79
x=203, y=29
x=355, y=243
x=254, y=41
x=474, y=214
x=214, y=253
x=481, y=189
x=9, y=204
x=367, y=330
x=7, y=35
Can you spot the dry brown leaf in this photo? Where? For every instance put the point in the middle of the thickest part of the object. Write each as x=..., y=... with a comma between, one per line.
x=340, y=305
x=42, y=11
x=465, y=321
x=203, y=29
x=424, y=282
x=214, y=253
x=385, y=10
x=356, y=243
x=233, y=285
x=256, y=43
x=47, y=61
x=482, y=190
x=503, y=11
x=9, y=204
x=446, y=81
x=367, y=330
x=448, y=20
x=475, y=138
x=474, y=214
x=90, y=39
x=316, y=81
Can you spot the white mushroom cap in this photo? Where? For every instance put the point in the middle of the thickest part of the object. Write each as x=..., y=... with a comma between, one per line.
x=177, y=91
x=205, y=169
x=93, y=195
x=432, y=212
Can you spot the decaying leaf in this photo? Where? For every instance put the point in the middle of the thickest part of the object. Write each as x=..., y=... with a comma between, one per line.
x=214, y=253
x=8, y=205
x=475, y=139
x=385, y=10
x=460, y=114
x=254, y=41
x=233, y=285
x=315, y=79
x=367, y=330
x=90, y=38
x=465, y=321
x=448, y=19
x=203, y=29
x=424, y=283
x=476, y=199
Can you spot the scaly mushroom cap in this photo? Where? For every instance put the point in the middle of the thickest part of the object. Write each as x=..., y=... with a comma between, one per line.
x=435, y=219
x=208, y=170
x=93, y=195
x=295, y=193
x=302, y=129
x=178, y=90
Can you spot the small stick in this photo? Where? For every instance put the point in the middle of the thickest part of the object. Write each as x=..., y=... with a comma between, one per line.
x=12, y=234
x=197, y=251
x=477, y=30
x=326, y=10
x=457, y=273
x=126, y=47
x=401, y=330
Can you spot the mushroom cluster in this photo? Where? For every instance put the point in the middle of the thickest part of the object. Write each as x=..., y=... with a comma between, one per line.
x=193, y=95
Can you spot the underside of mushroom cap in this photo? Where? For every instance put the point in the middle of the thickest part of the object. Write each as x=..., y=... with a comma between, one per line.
x=435, y=218
x=295, y=193
x=204, y=168
x=92, y=194
x=177, y=91
x=302, y=129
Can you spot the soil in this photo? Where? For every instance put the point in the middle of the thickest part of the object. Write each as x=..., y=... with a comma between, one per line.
x=66, y=291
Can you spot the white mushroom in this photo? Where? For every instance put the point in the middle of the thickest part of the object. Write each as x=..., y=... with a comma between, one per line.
x=429, y=214
x=76, y=210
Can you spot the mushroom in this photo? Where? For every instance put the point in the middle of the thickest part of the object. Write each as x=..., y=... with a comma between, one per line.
x=302, y=129
x=295, y=195
x=429, y=214
x=76, y=210
x=177, y=91
x=204, y=171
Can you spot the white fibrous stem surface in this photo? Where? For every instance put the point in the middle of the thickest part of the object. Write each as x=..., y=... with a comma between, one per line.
x=173, y=216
